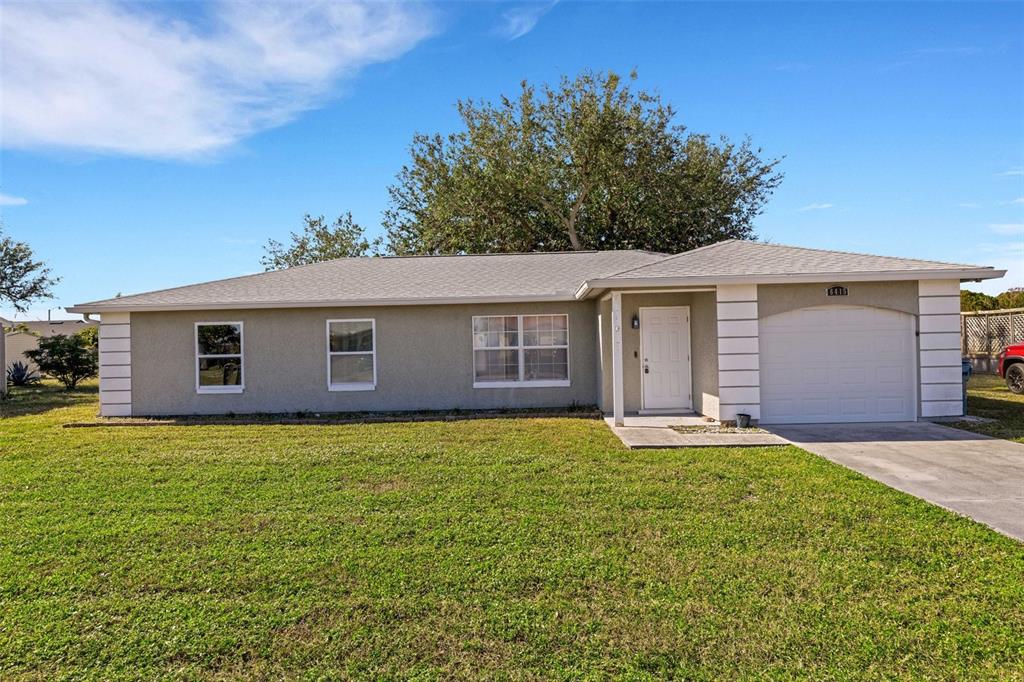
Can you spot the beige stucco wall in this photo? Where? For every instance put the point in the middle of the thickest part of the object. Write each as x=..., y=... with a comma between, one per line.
x=424, y=361
x=17, y=344
x=703, y=346
x=780, y=298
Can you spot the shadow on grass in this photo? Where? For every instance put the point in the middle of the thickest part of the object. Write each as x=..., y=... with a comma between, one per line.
x=1008, y=416
x=41, y=398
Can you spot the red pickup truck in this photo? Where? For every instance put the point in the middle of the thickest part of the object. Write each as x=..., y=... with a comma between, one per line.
x=1011, y=367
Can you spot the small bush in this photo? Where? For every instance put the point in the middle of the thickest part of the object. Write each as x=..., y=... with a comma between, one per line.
x=68, y=359
x=20, y=374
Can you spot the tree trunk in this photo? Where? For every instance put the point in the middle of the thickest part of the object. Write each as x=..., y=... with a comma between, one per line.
x=570, y=227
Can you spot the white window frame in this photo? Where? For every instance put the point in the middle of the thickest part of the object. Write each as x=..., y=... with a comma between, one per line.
x=240, y=355
x=352, y=386
x=520, y=348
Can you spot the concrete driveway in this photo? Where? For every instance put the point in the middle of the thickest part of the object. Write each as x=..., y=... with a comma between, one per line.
x=974, y=475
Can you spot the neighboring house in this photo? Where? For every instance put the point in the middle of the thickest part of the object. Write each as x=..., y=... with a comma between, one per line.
x=25, y=335
x=781, y=333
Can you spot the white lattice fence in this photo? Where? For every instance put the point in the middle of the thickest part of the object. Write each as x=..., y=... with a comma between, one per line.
x=985, y=333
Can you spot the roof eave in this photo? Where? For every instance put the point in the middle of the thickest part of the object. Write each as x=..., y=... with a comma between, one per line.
x=100, y=307
x=590, y=287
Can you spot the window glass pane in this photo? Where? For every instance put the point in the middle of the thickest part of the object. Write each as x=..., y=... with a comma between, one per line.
x=352, y=369
x=219, y=339
x=496, y=365
x=495, y=332
x=545, y=330
x=220, y=371
x=350, y=337
x=544, y=364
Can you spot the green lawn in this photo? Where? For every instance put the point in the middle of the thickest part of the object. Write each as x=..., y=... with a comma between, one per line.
x=530, y=548
x=987, y=396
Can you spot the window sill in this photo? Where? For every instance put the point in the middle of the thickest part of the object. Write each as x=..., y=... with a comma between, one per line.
x=337, y=388
x=214, y=390
x=551, y=383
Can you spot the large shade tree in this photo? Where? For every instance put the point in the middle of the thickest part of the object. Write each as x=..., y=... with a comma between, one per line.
x=591, y=163
x=318, y=241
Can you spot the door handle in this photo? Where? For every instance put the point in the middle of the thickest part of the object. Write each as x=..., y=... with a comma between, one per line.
x=647, y=370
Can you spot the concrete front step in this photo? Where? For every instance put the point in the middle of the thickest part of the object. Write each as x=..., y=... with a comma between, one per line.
x=636, y=438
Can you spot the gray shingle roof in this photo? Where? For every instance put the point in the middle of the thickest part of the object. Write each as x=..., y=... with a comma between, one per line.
x=389, y=280
x=736, y=258
x=532, y=276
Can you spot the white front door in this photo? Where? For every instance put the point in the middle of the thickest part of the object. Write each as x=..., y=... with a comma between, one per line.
x=665, y=356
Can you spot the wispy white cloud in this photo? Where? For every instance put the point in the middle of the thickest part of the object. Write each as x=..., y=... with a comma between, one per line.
x=814, y=207
x=1011, y=172
x=969, y=204
x=9, y=200
x=1018, y=200
x=517, y=21
x=1008, y=228
x=123, y=78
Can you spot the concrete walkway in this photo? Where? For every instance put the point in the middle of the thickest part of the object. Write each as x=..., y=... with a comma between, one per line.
x=974, y=475
x=652, y=434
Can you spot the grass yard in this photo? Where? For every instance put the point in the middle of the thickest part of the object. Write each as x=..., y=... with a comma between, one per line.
x=529, y=548
x=987, y=396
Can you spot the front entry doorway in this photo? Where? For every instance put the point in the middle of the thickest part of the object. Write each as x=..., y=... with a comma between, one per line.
x=665, y=355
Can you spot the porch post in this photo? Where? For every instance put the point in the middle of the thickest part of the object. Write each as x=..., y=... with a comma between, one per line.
x=618, y=410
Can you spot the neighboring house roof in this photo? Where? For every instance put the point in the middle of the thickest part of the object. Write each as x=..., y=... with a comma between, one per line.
x=47, y=327
x=531, y=276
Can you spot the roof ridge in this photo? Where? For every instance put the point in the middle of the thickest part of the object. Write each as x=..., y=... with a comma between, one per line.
x=673, y=256
x=270, y=273
x=506, y=253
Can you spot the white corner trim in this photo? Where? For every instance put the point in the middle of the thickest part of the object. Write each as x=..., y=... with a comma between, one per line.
x=739, y=376
x=939, y=287
x=939, y=372
x=115, y=360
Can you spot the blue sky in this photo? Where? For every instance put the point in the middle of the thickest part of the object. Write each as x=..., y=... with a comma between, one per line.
x=152, y=145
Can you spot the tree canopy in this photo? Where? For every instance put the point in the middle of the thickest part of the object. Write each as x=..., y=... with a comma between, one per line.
x=971, y=301
x=22, y=279
x=588, y=164
x=317, y=242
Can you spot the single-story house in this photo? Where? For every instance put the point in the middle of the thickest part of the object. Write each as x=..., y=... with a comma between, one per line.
x=24, y=335
x=784, y=334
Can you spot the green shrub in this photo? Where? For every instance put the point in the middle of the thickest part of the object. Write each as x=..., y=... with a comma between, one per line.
x=69, y=359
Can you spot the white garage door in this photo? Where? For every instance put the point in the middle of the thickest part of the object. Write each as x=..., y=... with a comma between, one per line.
x=837, y=364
